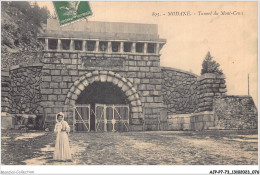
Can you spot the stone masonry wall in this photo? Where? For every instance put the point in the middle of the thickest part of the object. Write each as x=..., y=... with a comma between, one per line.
x=179, y=91
x=25, y=89
x=210, y=86
x=236, y=112
x=5, y=91
x=62, y=69
x=192, y=122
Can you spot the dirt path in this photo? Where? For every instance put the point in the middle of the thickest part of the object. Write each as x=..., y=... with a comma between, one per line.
x=136, y=148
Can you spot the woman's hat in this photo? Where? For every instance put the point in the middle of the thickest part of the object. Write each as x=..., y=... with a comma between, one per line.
x=59, y=114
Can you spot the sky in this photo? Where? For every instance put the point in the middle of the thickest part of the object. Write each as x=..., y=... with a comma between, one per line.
x=231, y=39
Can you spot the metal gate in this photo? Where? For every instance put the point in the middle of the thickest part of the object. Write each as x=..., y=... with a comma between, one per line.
x=108, y=118
x=81, y=119
x=112, y=117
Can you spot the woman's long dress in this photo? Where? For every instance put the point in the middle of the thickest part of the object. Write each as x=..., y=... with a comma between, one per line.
x=62, y=148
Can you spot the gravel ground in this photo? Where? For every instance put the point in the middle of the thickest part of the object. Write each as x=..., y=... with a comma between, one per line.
x=135, y=148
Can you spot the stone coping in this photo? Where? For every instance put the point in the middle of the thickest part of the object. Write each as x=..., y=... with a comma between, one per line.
x=119, y=37
x=22, y=66
x=101, y=53
x=179, y=70
x=102, y=26
x=211, y=76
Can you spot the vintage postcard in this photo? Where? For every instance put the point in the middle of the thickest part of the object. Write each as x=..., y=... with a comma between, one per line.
x=129, y=83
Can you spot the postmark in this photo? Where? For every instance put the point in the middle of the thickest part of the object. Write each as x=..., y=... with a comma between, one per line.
x=71, y=11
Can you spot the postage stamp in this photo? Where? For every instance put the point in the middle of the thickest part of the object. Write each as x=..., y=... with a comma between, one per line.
x=71, y=11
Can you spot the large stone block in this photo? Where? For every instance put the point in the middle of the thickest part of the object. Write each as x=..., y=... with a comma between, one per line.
x=52, y=97
x=66, y=78
x=140, y=63
x=145, y=80
x=136, y=127
x=155, y=69
x=55, y=72
x=66, y=61
x=149, y=121
x=132, y=63
x=130, y=68
x=46, y=91
x=64, y=91
x=45, y=85
x=142, y=87
x=63, y=85
x=149, y=99
x=131, y=74
x=73, y=55
x=154, y=127
x=56, y=91
x=144, y=69
x=73, y=72
x=145, y=93
x=56, y=78
x=54, y=85
x=150, y=87
x=71, y=66
x=46, y=78
x=136, y=121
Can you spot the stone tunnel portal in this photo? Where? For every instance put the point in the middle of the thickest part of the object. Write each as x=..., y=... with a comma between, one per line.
x=103, y=107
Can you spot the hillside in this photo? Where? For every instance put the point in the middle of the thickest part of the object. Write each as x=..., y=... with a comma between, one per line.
x=21, y=21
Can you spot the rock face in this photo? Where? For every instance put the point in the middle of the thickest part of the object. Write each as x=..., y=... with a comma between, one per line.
x=179, y=91
x=25, y=89
x=236, y=112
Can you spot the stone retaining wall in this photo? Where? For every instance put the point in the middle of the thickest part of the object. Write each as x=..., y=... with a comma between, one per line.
x=179, y=91
x=25, y=89
x=194, y=122
x=5, y=91
x=236, y=112
x=210, y=86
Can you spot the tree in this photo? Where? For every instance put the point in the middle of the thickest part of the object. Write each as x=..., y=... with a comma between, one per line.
x=21, y=22
x=210, y=66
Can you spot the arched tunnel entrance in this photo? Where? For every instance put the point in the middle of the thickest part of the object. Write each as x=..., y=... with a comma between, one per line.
x=102, y=106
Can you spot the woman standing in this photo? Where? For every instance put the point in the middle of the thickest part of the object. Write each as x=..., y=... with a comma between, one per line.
x=62, y=148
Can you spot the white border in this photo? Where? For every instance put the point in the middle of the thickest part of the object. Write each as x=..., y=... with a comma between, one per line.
x=130, y=169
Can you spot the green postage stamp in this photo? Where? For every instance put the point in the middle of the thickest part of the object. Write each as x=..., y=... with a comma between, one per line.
x=71, y=11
